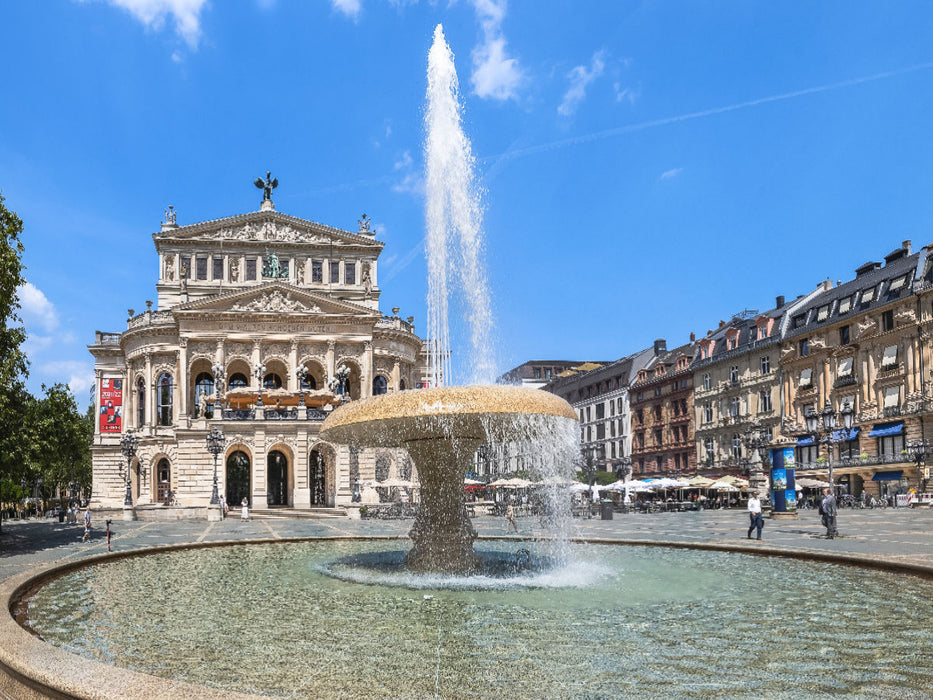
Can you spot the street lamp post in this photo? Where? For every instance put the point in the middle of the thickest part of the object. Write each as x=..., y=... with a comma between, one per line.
x=918, y=451
x=128, y=444
x=756, y=441
x=215, y=445
x=822, y=425
x=301, y=374
x=260, y=373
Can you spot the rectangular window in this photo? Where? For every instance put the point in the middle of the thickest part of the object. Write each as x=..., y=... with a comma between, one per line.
x=806, y=378
x=822, y=313
x=600, y=431
x=613, y=449
x=806, y=456
x=845, y=367
x=897, y=283
x=868, y=295
x=283, y=267
x=845, y=304
x=619, y=405
x=804, y=347
x=612, y=428
x=658, y=440
x=734, y=406
x=218, y=268
x=588, y=414
x=349, y=273
x=764, y=401
x=547, y=372
x=334, y=272
x=201, y=268
x=707, y=412
x=317, y=271
x=537, y=372
x=706, y=382
x=892, y=396
x=891, y=447
x=844, y=335
x=589, y=433
x=889, y=360
x=250, y=269
x=600, y=411
x=887, y=321
x=185, y=267
x=766, y=365
x=799, y=320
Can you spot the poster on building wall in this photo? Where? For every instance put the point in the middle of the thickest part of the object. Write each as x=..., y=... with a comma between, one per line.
x=111, y=405
x=788, y=457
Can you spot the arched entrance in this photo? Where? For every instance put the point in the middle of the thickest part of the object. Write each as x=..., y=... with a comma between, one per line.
x=277, y=472
x=163, y=480
x=317, y=479
x=238, y=482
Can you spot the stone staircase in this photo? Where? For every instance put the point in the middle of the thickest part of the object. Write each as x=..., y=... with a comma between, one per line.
x=291, y=513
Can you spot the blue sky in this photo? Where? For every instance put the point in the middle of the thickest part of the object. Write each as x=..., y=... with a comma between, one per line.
x=649, y=167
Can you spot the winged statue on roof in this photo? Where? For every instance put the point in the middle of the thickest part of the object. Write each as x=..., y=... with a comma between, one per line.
x=267, y=185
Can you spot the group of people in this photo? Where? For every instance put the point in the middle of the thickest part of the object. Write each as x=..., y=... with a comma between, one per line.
x=827, y=510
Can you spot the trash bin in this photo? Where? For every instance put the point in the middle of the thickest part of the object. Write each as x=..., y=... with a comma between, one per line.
x=61, y=516
x=605, y=510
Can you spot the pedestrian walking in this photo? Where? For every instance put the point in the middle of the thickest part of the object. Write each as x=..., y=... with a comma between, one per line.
x=244, y=514
x=223, y=507
x=756, y=520
x=828, y=511
x=510, y=519
x=87, y=524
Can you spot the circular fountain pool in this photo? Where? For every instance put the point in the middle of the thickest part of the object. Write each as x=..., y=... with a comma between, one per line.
x=283, y=620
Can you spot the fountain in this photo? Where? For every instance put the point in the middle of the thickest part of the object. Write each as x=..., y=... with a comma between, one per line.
x=441, y=429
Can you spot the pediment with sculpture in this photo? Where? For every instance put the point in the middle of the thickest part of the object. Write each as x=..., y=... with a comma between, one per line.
x=277, y=298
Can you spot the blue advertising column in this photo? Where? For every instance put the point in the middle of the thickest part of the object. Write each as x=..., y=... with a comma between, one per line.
x=783, y=484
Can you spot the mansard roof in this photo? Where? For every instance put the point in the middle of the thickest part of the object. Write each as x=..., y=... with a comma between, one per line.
x=277, y=298
x=265, y=227
x=901, y=269
x=746, y=325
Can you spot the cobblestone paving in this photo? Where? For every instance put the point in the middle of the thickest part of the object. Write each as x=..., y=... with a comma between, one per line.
x=894, y=534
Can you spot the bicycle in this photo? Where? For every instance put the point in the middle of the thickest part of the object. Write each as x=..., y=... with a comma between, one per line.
x=848, y=501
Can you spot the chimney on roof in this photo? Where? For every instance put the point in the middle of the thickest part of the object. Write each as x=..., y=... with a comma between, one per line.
x=906, y=245
x=721, y=323
x=693, y=337
x=901, y=252
x=779, y=302
x=660, y=345
x=866, y=268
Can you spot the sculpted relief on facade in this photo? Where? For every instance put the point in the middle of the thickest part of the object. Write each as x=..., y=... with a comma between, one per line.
x=275, y=302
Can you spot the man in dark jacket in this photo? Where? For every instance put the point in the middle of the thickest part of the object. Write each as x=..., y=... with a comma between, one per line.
x=828, y=510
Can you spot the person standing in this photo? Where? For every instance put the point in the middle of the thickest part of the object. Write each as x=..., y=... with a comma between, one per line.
x=223, y=507
x=828, y=509
x=756, y=520
x=87, y=524
x=510, y=519
x=244, y=515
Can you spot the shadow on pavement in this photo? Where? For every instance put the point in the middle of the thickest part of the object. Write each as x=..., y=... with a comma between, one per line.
x=19, y=537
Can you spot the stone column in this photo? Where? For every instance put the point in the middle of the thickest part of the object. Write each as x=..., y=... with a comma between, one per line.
x=367, y=374
x=329, y=359
x=395, y=374
x=255, y=359
x=866, y=378
x=97, y=378
x=183, y=376
x=292, y=381
x=911, y=379
x=177, y=405
x=870, y=377
x=150, y=392
x=129, y=416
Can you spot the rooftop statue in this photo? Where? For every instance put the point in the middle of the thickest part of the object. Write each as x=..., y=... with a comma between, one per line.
x=267, y=186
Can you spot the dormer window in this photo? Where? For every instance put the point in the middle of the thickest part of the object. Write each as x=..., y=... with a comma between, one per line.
x=897, y=283
x=799, y=320
x=868, y=295
x=822, y=313
x=845, y=304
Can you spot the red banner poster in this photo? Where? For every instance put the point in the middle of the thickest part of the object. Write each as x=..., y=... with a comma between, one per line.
x=111, y=405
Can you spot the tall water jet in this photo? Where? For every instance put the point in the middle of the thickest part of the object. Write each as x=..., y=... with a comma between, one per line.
x=453, y=214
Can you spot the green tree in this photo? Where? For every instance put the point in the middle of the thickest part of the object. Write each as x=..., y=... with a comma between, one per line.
x=14, y=398
x=60, y=440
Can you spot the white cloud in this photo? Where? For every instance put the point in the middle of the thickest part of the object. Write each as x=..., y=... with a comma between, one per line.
x=411, y=181
x=580, y=77
x=153, y=13
x=350, y=8
x=495, y=75
x=36, y=308
x=625, y=93
x=668, y=174
x=404, y=162
x=80, y=376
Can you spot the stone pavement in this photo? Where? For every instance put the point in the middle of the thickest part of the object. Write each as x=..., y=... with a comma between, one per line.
x=903, y=535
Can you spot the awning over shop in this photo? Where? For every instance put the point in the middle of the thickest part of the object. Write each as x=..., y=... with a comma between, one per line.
x=844, y=435
x=885, y=429
x=888, y=476
x=804, y=441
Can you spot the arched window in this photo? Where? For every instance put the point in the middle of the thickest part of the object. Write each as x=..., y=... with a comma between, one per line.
x=272, y=381
x=401, y=385
x=237, y=381
x=140, y=402
x=165, y=398
x=204, y=386
x=309, y=383
x=163, y=481
x=380, y=386
x=382, y=468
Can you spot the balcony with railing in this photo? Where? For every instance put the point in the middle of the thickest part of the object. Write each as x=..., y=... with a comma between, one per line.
x=315, y=415
x=845, y=380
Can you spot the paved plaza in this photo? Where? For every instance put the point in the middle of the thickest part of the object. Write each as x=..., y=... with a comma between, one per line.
x=894, y=535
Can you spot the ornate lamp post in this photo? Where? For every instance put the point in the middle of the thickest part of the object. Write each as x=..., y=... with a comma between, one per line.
x=756, y=442
x=918, y=451
x=215, y=445
x=301, y=374
x=822, y=425
x=338, y=383
x=260, y=373
x=128, y=444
